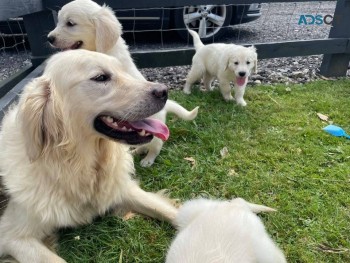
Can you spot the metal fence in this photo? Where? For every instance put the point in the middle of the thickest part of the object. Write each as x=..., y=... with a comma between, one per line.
x=336, y=48
x=39, y=18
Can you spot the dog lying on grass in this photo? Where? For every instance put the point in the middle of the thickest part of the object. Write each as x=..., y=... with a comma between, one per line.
x=222, y=231
x=83, y=24
x=64, y=154
x=226, y=62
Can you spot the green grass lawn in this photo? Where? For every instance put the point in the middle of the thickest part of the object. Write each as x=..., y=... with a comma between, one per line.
x=278, y=155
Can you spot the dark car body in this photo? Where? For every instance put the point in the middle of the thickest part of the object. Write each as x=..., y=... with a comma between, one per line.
x=173, y=18
x=166, y=19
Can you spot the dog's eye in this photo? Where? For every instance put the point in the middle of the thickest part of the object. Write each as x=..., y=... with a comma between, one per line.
x=248, y=62
x=70, y=24
x=236, y=63
x=101, y=78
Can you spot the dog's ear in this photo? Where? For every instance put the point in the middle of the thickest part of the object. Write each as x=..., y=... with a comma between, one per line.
x=37, y=116
x=108, y=29
x=255, y=68
x=227, y=64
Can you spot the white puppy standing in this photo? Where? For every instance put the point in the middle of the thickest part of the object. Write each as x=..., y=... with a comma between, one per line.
x=226, y=62
x=83, y=24
x=222, y=231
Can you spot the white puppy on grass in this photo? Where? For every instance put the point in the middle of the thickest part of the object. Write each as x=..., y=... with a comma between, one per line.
x=153, y=148
x=83, y=24
x=226, y=62
x=222, y=231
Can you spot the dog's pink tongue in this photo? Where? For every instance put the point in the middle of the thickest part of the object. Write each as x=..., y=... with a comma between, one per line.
x=153, y=126
x=241, y=81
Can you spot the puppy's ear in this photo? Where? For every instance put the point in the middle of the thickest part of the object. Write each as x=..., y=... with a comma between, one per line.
x=255, y=68
x=108, y=29
x=37, y=116
x=252, y=48
x=227, y=64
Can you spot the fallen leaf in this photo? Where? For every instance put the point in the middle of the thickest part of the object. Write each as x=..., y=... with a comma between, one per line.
x=224, y=152
x=191, y=160
x=325, y=78
x=328, y=249
x=232, y=172
x=322, y=117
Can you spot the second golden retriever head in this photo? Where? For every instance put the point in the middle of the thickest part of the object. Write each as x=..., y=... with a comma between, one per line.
x=85, y=24
x=242, y=61
x=84, y=95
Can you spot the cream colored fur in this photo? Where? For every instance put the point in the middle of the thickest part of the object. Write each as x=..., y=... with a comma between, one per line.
x=224, y=62
x=99, y=30
x=56, y=168
x=222, y=231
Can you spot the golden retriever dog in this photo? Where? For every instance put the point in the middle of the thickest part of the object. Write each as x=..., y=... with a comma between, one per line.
x=64, y=154
x=222, y=231
x=226, y=62
x=83, y=24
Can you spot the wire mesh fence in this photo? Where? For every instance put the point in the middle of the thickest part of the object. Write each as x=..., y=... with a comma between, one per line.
x=274, y=22
x=166, y=28
x=14, y=47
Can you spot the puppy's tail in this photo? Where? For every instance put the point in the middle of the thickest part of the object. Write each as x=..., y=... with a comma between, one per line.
x=175, y=108
x=252, y=207
x=196, y=39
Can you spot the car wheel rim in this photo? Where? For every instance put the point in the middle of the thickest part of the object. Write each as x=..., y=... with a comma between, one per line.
x=207, y=20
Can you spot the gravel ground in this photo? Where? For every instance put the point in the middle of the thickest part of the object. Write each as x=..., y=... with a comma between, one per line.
x=11, y=62
x=279, y=22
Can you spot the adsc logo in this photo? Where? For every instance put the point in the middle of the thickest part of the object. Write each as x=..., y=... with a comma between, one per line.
x=315, y=20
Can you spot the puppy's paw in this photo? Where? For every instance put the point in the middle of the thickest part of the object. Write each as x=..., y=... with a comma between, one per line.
x=229, y=98
x=187, y=90
x=146, y=162
x=241, y=102
x=208, y=87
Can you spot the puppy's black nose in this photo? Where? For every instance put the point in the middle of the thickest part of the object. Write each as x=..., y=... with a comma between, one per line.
x=241, y=73
x=160, y=92
x=51, y=39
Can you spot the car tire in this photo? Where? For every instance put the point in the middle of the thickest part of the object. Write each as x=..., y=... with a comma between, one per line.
x=209, y=21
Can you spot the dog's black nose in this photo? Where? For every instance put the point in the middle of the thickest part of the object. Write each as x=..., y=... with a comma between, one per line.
x=160, y=92
x=241, y=73
x=51, y=39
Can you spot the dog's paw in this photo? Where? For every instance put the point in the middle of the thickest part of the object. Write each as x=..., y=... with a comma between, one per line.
x=145, y=162
x=187, y=90
x=241, y=103
x=229, y=98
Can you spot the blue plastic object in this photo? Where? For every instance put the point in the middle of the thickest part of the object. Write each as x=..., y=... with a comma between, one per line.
x=336, y=131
